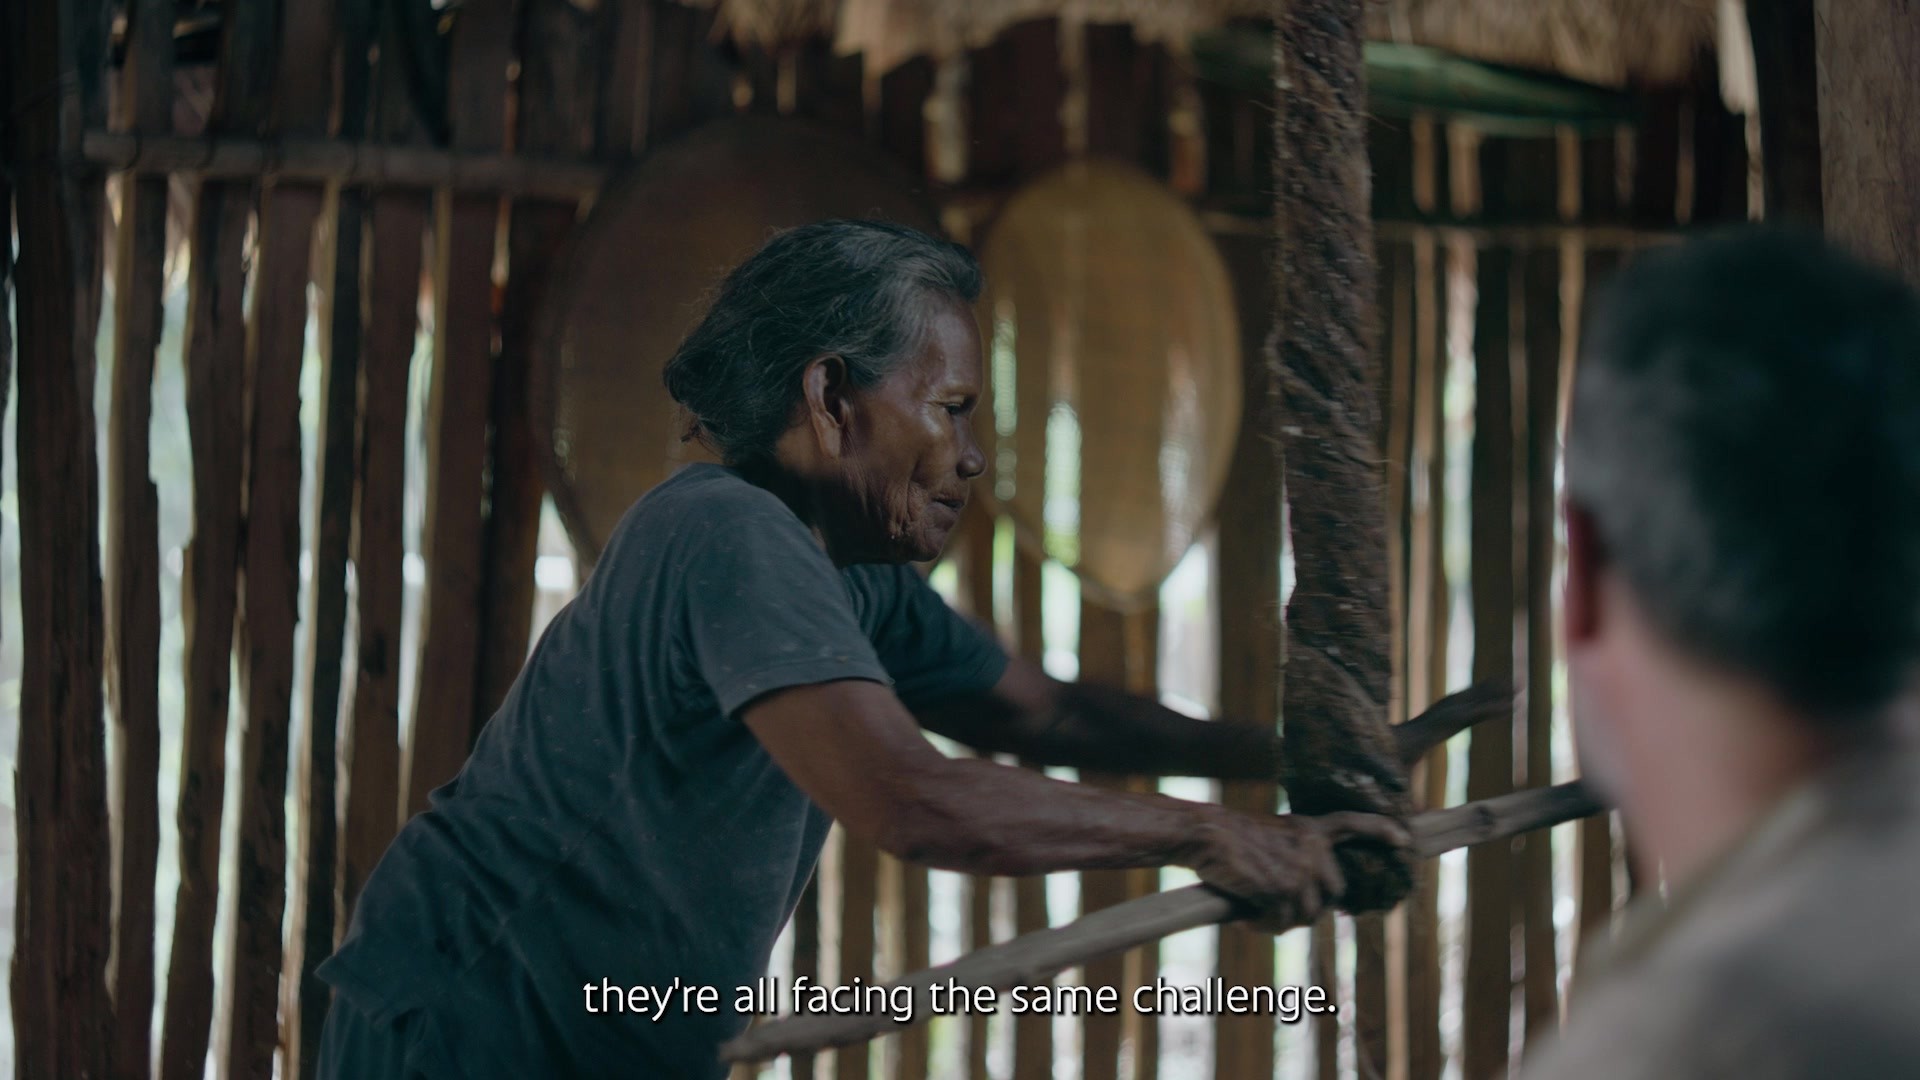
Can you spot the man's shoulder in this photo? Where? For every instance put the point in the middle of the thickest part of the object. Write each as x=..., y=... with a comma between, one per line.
x=701, y=506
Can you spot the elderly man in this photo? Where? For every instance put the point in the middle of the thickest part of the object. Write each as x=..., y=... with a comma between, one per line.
x=752, y=658
x=1742, y=627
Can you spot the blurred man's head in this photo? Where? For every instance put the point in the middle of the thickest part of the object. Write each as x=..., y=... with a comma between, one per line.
x=1743, y=506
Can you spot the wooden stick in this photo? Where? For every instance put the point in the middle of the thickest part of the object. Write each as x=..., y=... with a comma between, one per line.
x=1039, y=956
x=348, y=161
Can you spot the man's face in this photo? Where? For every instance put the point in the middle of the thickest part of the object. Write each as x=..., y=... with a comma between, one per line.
x=912, y=452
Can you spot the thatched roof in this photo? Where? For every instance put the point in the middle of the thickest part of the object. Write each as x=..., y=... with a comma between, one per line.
x=1610, y=42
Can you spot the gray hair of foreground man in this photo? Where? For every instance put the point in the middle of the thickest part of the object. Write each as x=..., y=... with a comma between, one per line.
x=860, y=290
x=1745, y=437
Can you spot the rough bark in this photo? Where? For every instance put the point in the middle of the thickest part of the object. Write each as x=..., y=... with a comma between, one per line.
x=1338, y=625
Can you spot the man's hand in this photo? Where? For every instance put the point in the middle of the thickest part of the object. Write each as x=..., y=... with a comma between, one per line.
x=1285, y=868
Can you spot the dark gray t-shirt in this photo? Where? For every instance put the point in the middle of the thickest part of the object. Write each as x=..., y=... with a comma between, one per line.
x=617, y=821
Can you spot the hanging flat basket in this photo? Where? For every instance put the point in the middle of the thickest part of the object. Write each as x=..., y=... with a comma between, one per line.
x=636, y=279
x=1114, y=374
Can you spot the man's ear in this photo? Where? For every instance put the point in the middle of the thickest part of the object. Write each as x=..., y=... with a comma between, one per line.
x=826, y=389
x=1586, y=558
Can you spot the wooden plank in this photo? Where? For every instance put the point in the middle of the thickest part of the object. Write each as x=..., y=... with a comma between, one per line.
x=1656, y=158
x=1380, y=961
x=457, y=413
x=216, y=357
x=1032, y=1034
x=310, y=923
x=1248, y=547
x=806, y=957
x=689, y=82
x=1490, y=766
x=859, y=901
x=1596, y=858
x=621, y=117
x=830, y=88
x=555, y=118
x=903, y=121
x=1869, y=145
x=1014, y=95
x=396, y=222
x=1427, y=625
x=1323, y=971
x=1102, y=660
x=271, y=557
x=915, y=953
x=133, y=542
x=975, y=548
x=1786, y=70
x=1540, y=283
x=63, y=1021
x=1127, y=101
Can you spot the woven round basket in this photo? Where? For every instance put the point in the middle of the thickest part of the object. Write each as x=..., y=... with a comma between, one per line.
x=1113, y=356
x=637, y=276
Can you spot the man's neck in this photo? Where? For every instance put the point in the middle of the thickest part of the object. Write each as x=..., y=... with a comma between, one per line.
x=1716, y=761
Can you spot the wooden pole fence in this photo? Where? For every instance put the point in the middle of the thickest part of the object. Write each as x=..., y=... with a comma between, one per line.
x=1042, y=955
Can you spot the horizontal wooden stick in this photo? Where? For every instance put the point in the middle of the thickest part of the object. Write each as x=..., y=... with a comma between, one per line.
x=1450, y=716
x=1039, y=956
x=319, y=160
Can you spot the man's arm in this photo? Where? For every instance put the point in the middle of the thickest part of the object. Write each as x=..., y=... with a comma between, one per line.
x=1089, y=726
x=857, y=752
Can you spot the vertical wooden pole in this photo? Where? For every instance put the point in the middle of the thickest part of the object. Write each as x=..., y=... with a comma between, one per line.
x=271, y=556
x=133, y=540
x=63, y=1018
x=1540, y=280
x=216, y=352
x=1032, y=1033
x=1015, y=131
x=554, y=119
x=975, y=548
x=859, y=887
x=1428, y=613
x=457, y=413
x=1868, y=51
x=396, y=225
x=310, y=923
x=1596, y=848
x=1249, y=542
x=1787, y=73
x=1339, y=625
x=1488, y=992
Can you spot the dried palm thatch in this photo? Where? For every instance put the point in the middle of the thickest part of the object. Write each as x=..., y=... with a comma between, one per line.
x=1610, y=42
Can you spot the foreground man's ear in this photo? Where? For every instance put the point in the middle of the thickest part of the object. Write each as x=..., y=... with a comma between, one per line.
x=827, y=387
x=1585, y=560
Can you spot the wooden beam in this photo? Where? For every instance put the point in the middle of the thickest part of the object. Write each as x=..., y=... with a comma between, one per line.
x=1032, y=1033
x=1868, y=51
x=1540, y=407
x=370, y=758
x=270, y=565
x=1786, y=71
x=859, y=900
x=554, y=117
x=975, y=547
x=1248, y=554
x=1489, y=987
x=310, y=923
x=63, y=1020
x=1427, y=592
x=133, y=545
x=1596, y=850
x=457, y=412
x=1033, y=959
x=216, y=357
